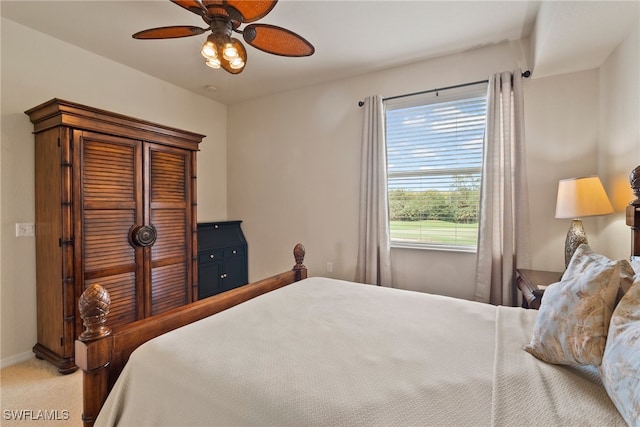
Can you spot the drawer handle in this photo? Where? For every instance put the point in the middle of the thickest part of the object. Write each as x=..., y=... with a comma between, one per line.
x=212, y=256
x=223, y=276
x=235, y=252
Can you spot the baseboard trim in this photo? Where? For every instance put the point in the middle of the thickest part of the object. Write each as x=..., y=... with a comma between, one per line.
x=17, y=358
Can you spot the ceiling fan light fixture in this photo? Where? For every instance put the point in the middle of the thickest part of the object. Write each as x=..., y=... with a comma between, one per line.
x=236, y=63
x=209, y=49
x=230, y=53
x=213, y=63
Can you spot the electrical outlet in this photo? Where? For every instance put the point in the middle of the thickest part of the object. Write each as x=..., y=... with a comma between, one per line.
x=329, y=267
x=24, y=229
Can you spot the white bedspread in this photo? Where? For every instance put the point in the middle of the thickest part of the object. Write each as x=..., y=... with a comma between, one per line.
x=529, y=392
x=324, y=352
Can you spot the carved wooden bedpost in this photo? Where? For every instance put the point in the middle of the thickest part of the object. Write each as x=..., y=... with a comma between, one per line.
x=299, y=253
x=93, y=350
x=633, y=212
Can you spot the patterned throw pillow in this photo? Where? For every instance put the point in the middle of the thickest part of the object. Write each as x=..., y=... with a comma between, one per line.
x=620, y=369
x=573, y=320
x=626, y=277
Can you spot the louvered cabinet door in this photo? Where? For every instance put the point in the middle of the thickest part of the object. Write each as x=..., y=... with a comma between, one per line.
x=169, y=212
x=111, y=204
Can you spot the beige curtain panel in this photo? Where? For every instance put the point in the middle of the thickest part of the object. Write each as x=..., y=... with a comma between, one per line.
x=374, y=250
x=503, y=229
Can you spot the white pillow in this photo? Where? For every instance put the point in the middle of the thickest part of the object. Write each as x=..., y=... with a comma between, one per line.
x=573, y=321
x=635, y=264
x=620, y=369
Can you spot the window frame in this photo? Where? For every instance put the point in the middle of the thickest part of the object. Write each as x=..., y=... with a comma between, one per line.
x=461, y=92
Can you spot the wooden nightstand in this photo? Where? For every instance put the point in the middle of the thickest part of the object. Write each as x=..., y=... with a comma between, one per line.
x=532, y=284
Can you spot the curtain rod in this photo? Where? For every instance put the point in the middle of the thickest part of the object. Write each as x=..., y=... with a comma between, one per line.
x=525, y=74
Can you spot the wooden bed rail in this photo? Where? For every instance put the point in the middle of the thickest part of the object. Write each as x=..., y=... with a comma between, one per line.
x=633, y=212
x=102, y=353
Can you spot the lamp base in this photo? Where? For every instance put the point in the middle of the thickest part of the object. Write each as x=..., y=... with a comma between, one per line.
x=575, y=237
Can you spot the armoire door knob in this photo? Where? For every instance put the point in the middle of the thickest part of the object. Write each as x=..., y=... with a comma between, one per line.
x=143, y=235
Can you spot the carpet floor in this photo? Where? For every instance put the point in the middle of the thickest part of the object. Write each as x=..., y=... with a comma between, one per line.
x=33, y=393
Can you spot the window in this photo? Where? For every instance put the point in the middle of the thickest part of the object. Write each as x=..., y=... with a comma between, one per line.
x=434, y=164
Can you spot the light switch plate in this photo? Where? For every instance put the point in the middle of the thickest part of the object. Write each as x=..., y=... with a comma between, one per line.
x=24, y=229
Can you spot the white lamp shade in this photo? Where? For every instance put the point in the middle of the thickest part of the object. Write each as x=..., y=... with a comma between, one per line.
x=580, y=197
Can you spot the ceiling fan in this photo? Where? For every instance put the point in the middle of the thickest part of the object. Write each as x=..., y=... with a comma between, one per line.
x=223, y=17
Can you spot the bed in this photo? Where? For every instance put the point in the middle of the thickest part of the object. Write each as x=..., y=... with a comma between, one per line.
x=296, y=350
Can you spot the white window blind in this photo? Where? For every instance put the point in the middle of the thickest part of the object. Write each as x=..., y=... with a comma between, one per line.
x=434, y=160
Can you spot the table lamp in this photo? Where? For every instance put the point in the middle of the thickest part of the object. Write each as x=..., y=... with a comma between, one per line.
x=580, y=197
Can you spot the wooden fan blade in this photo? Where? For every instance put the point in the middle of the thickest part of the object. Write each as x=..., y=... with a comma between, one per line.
x=192, y=6
x=277, y=40
x=251, y=10
x=169, y=32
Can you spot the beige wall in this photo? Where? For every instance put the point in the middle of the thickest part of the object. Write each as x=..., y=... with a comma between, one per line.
x=561, y=127
x=619, y=137
x=64, y=71
x=294, y=168
x=294, y=164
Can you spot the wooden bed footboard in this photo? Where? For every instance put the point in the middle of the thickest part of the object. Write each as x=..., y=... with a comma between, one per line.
x=102, y=353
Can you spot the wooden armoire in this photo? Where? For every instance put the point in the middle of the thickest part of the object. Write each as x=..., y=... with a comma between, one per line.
x=115, y=202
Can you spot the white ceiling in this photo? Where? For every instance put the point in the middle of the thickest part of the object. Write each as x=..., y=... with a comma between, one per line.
x=350, y=37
